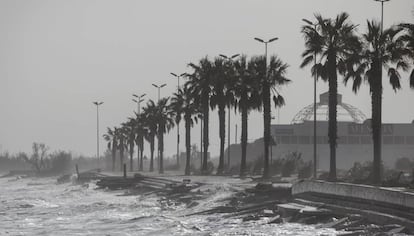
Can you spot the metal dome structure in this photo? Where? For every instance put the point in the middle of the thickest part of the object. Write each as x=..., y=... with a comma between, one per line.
x=346, y=112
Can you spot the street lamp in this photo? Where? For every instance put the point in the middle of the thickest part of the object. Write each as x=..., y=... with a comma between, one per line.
x=138, y=100
x=382, y=12
x=230, y=59
x=178, y=126
x=159, y=87
x=97, y=128
x=266, y=156
x=178, y=78
x=314, y=110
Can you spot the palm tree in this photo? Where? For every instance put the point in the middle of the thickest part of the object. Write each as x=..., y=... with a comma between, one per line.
x=200, y=86
x=190, y=110
x=165, y=121
x=378, y=50
x=247, y=97
x=333, y=41
x=221, y=73
x=176, y=105
x=110, y=137
x=149, y=114
x=408, y=37
x=129, y=127
x=121, y=137
x=270, y=79
x=140, y=133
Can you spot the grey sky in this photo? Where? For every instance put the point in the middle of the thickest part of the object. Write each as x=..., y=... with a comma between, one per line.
x=56, y=57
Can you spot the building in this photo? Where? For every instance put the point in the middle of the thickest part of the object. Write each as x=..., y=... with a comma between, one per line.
x=354, y=138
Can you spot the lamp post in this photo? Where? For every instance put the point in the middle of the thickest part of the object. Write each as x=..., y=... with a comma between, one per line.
x=382, y=12
x=266, y=121
x=159, y=87
x=315, y=165
x=138, y=101
x=377, y=175
x=97, y=128
x=230, y=59
x=178, y=126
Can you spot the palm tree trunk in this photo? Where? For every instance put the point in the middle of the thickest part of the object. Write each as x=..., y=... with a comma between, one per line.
x=113, y=155
x=138, y=151
x=222, y=131
x=244, y=118
x=376, y=123
x=161, y=149
x=178, y=145
x=121, y=153
x=141, y=149
x=152, y=153
x=332, y=130
x=131, y=155
x=205, y=133
x=187, y=143
x=266, y=131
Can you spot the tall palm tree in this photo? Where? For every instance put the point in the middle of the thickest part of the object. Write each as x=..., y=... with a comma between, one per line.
x=221, y=72
x=140, y=133
x=165, y=121
x=270, y=78
x=190, y=110
x=245, y=90
x=200, y=86
x=332, y=41
x=379, y=50
x=122, y=137
x=149, y=115
x=111, y=138
x=129, y=127
x=177, y=107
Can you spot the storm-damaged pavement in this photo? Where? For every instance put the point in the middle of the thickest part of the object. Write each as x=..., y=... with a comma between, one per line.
x=248, y=199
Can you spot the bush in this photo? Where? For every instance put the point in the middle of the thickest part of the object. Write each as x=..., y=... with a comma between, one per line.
x=60, y=162
x=305, y=171
x=291, y=163
x=404, y=164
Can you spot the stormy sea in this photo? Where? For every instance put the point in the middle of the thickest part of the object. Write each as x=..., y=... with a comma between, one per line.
x=40, y=206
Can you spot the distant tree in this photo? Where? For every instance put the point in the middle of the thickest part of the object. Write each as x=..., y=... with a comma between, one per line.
x=245, y=90
x=38, y=158
x=150, y=122
x=271, y=77
x=165, y=121
x=111, y=139
x=199, y=84
x=190, y=110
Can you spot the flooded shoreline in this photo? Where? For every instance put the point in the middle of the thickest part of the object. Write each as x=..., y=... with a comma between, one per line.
x=39, y=206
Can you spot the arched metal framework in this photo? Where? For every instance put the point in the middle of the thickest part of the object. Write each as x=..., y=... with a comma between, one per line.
x=346, y=112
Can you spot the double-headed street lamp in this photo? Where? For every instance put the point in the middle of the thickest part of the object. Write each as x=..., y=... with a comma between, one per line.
x=159, y=87
x=314, y=110
x=178, y=126
x=228, y=126
x=267, y=122
x=178, y=78
x=265, y=43
x=97, y=128
x=138, y=101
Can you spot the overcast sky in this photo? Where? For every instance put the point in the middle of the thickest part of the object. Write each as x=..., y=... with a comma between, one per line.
x=56, y=57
